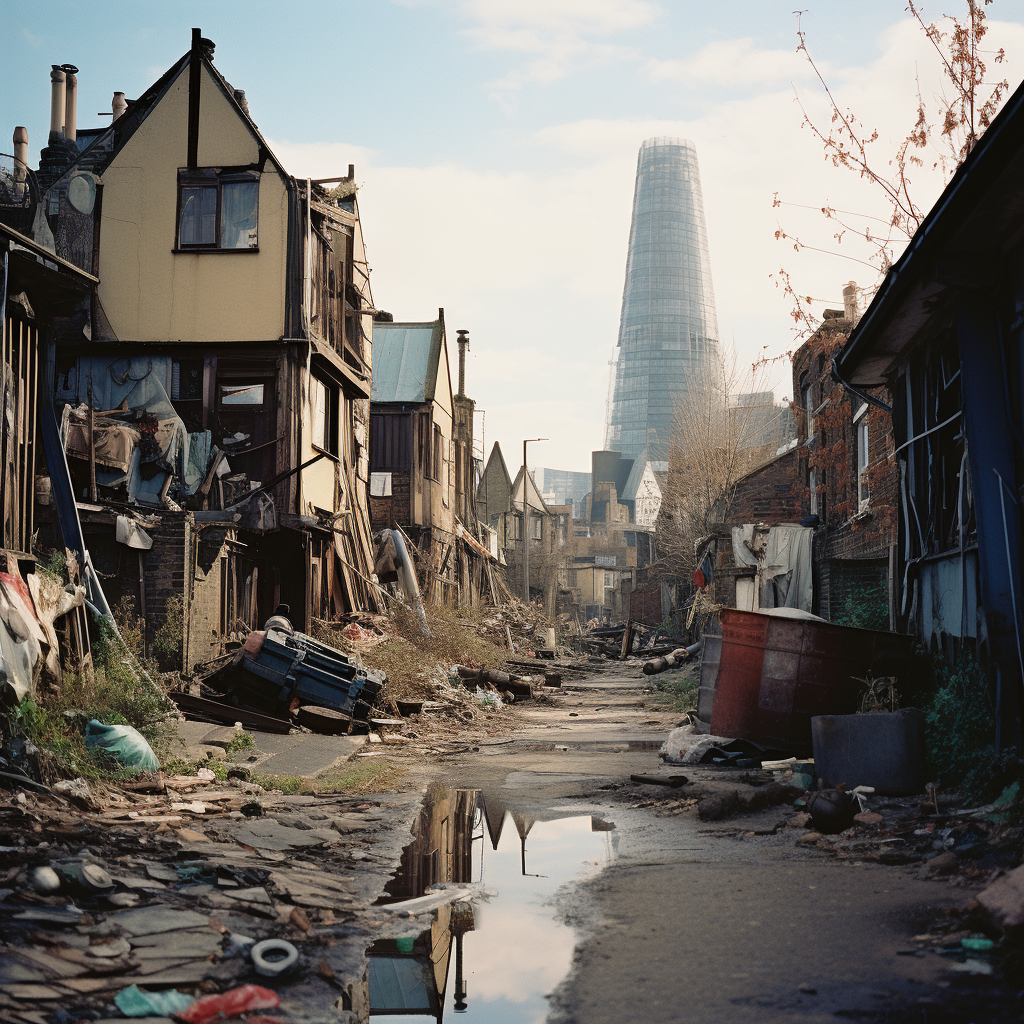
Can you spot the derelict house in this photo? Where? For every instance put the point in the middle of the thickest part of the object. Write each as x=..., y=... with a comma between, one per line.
x=945, y=335
x=212, y=392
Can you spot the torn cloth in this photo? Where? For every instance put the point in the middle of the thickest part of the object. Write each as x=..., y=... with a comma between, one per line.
x=786, y=570
x=742, y=541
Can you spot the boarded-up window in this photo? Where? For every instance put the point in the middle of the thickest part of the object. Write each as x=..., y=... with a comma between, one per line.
x=390, y=442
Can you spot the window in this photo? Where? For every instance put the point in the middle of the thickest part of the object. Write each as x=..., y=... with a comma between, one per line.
x=862, y=463
x=324, y=406
x=436, y=456
x=812, y=486
x=217, y=211
x=536, y=527
x=241, y=394
x=809, y=410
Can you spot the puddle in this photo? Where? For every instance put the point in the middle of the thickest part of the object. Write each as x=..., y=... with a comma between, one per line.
x=497, y=957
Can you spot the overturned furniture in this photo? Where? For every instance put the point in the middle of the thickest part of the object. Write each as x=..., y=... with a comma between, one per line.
x=282, y=673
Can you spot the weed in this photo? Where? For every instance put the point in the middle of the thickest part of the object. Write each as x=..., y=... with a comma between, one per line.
x=959, y=721
x=365, y=775
x=677, y=690
x=168, y=638
x=241, y=741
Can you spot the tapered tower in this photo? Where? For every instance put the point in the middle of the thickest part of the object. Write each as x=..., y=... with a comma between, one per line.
x=668, y=329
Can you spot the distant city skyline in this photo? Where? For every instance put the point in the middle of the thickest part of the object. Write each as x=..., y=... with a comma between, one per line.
x=668, y=328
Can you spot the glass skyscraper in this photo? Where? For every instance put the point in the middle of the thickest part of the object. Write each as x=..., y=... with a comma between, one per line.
x=668, y=330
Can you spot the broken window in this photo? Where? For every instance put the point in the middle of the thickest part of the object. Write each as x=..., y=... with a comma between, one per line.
x=436, y=454
x=324, y=406
x=217, y=211
x=241, y=394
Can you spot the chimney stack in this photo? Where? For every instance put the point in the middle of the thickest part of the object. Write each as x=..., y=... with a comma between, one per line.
x=850, y=301
x=463, y=345
x=20, y=160
x=70, y=102
x=57, y=102
x=118, y=105
x=352, y=172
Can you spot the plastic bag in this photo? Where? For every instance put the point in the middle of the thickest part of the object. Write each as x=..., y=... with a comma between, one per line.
x=133, y=1002
x=124, y=743
x=230, y=1004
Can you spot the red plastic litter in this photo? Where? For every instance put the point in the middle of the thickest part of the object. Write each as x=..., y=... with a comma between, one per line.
x=230, y=1004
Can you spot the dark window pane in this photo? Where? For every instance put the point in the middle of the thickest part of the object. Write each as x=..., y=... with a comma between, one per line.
x=241, y=394
x=198, y=216
x=238, y=215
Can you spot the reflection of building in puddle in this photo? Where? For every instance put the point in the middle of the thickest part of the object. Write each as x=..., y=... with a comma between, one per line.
x=409, y=975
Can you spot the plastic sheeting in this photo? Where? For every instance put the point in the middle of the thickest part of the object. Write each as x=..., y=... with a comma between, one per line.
x=785, y=572
x=134, y=382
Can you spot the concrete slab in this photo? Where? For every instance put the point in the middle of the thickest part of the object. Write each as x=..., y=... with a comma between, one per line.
x=307, y=755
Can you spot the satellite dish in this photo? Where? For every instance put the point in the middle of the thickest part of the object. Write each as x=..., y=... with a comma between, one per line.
x=82, y=192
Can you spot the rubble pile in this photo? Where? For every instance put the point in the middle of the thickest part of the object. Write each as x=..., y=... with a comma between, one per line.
x=117, y=899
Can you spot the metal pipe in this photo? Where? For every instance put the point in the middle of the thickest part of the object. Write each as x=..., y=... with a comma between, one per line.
x=409, y=582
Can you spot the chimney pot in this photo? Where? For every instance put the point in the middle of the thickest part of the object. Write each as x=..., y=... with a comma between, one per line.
x=352, y=172
x=70, y=102
x=20, y=159
x=118, y=105
x=463, y=345
x=57, y=102
x=850, y=301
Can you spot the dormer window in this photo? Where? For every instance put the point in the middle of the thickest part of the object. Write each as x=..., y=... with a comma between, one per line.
x=217, y=210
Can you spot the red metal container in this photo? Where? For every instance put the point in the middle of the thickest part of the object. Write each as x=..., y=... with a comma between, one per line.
x=777, y=673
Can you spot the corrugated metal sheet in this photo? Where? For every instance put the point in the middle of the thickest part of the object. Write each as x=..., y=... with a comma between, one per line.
x=401, y=361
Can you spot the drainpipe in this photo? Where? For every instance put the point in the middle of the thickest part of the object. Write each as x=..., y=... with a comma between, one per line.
x=307, y=264
x=70, y=102
x=57, y=102
x=407, y=575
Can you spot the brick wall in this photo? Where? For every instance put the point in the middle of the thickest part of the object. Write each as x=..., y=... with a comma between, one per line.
x=772, y=494
x=384, y=512
x=165, y=567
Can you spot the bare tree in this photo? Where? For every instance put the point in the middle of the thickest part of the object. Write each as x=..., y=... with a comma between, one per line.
x=942, y=140
x=720, y=433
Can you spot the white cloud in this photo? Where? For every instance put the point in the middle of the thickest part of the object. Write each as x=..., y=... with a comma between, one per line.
x=560, y=35
x=531, y=260
x=735, y=63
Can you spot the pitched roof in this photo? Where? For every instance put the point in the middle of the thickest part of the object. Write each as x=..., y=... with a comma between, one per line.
x=636, y=474
x=405, y=361
x=533, y=494
x=496, y=454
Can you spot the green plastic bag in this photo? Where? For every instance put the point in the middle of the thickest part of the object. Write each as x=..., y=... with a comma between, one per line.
x=133, y=1002
x=124, y=743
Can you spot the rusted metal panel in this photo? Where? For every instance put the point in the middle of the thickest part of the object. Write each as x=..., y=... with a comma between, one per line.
x=777, y=673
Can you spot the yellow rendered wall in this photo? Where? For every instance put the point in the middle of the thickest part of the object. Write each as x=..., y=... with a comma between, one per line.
x=151, y=293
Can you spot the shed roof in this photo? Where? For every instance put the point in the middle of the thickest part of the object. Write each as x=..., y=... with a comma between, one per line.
x=405, y=361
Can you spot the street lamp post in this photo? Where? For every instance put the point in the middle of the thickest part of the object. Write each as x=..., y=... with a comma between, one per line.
x=526, y=524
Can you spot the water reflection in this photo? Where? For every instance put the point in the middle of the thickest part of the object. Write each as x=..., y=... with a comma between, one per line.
x=509, y=951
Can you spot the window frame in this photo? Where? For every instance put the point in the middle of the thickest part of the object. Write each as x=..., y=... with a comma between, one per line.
x=210, y=177
x=863, y=462
x=812, y=487
x=332, y=448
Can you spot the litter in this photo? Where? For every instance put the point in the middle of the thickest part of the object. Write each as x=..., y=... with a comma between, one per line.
x=124, y=743
x=133, y=1002
x=272, y=957
x=230, y=1004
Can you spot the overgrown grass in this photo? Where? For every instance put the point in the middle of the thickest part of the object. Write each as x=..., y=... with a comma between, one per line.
x=677, y=688
x=413, y=662
x=113, y=693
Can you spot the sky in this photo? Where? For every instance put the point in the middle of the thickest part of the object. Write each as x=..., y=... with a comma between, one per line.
x=495, y=147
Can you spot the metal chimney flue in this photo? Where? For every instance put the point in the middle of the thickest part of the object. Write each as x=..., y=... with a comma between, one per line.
x=463, y=345
x=70, y=102
x=57, y=103
x=118, y=105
